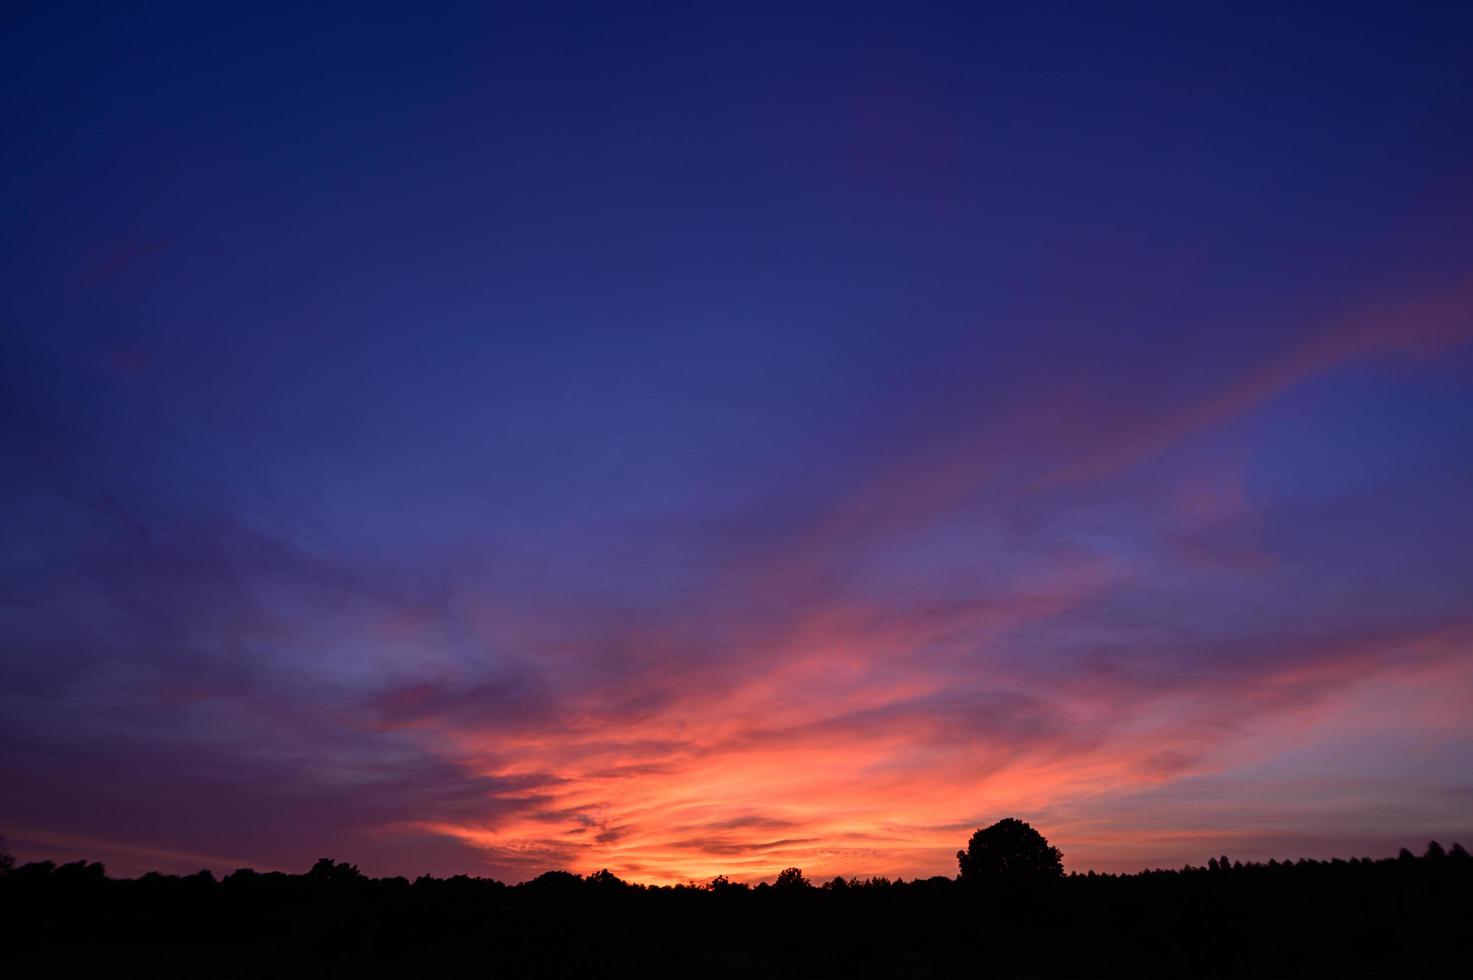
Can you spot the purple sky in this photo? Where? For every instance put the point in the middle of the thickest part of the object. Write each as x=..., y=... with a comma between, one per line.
x=712, y=438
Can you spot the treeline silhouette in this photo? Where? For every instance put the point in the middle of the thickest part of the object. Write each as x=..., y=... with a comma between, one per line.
x=1010, y=912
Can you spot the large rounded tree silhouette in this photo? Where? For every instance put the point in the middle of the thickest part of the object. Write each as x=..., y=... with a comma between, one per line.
x=1009, y=850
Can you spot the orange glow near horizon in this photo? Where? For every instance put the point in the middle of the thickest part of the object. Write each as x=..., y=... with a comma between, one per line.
x=1084, y=611
x=883, y=777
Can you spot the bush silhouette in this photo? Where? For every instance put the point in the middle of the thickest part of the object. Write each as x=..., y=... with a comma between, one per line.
x=1009, y=850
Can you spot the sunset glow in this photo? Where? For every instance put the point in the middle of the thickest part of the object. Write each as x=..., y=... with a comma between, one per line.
x=650, y=446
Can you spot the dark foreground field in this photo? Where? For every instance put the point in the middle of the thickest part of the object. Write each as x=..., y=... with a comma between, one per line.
x=1395, y=918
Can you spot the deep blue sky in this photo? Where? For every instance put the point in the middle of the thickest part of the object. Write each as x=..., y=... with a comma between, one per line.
x=710, y=437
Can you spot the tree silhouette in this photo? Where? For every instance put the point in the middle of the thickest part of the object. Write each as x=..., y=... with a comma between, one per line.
x=1409, y=916
x=606, y=879
x=326, y=870
x=1009, y=850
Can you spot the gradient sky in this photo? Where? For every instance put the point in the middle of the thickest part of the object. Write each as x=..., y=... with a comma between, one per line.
x=706, y=438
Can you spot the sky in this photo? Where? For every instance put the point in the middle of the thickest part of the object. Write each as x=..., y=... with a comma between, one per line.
x=707, y=438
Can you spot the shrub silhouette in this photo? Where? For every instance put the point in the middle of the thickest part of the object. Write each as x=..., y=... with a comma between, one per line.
x=1009, y=850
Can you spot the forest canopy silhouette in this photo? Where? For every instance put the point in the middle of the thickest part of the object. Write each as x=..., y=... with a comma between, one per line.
x=1010, y=908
